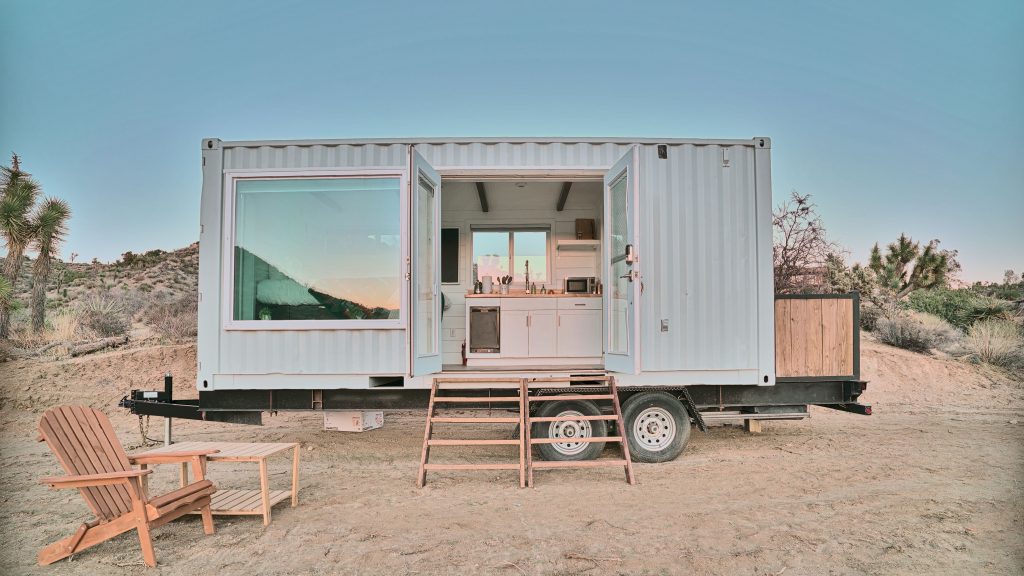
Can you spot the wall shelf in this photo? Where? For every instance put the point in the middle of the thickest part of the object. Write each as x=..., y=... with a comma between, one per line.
x=578, y=245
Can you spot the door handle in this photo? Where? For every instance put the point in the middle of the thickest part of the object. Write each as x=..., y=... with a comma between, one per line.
x=528, y=316
x=630, y=254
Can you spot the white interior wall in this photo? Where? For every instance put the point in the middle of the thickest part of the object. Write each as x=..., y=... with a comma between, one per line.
x=510, y=205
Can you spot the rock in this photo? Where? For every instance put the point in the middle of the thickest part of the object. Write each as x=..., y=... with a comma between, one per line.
x=1013, y=421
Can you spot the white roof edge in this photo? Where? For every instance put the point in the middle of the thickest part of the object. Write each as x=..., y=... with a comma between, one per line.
x=489, y=140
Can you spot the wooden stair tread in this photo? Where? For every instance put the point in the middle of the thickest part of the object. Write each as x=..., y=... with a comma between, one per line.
x=582, y=439
x=571, y=397
x=601, y=378
x=471, y=466
x=579, y=463
x=482, y=381
x=474, y=420
x=571, y=418
x=481, y=442
x=471, y=386
x=478, y=400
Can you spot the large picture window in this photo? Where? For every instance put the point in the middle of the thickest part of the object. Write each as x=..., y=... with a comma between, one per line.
x=317, y=249
x=506, y=252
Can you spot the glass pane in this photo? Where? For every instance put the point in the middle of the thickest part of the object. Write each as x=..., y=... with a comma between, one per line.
x=425, y=239
x=618, y=334
x=317, y=249
x=531, y=247
x=490, y=254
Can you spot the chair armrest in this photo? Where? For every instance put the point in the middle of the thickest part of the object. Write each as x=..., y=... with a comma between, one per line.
x=171, y=457
x=84, y=480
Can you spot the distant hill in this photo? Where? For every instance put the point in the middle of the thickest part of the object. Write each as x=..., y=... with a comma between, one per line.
x=159, y=274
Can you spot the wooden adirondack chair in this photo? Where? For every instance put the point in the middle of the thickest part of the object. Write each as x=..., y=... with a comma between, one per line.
x=84, y=442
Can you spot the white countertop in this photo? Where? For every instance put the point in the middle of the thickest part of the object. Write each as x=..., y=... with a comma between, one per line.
x=525, y=295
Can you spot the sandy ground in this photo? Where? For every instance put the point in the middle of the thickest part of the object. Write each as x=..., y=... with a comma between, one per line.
x=931, y=484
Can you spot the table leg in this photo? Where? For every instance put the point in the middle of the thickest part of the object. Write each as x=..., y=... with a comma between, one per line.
x=184, y=474
x=265, y=491
x=295, y=477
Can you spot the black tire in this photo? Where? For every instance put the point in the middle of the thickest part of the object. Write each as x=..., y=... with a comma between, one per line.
x=657, y=426
x=569, y=450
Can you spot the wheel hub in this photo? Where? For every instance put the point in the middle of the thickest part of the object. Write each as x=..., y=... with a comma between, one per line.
x=654, y=429
x=570, y=429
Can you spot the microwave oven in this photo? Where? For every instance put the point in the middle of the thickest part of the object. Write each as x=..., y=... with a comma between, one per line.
x=581, y=285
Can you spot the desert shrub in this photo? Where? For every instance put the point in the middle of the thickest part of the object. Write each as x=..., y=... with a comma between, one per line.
x=104, y=315
x=869, y=316
x=174, y=319
x=917, y=332
x=64, y=325
x=133, y=301
x=961, y=308
x=996, y=342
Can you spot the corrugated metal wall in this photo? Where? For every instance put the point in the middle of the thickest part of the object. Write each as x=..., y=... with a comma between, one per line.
x=313, y=351
x=698, y=252
x=525, y=155
x=698, y=258
x=316, y=156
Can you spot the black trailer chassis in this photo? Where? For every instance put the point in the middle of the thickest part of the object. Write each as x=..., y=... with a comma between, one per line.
x=787, y=399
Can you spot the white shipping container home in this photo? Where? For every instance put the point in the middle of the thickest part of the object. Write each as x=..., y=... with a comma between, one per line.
x=321, y=262
x=352, y=274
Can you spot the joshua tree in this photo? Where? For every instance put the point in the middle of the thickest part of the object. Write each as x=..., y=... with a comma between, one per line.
x=5, y=292
x=18, y=194
x=931, y=268
x=50, y=223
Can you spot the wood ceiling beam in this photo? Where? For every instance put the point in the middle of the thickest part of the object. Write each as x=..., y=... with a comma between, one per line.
x=563, y=196
x=482, y=192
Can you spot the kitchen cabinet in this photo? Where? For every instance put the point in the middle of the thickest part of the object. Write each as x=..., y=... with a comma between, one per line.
x=579, y=333
x=549, y=329
x=543, y=327
x=515, y=333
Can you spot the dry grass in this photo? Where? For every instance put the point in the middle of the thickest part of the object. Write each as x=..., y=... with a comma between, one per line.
x=65, y=325
x=996, y=342
x=176, y=319
x=918, y=332
x=104, y=314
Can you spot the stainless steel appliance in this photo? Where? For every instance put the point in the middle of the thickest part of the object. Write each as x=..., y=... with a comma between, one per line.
x=484, y=329
x=581, y=285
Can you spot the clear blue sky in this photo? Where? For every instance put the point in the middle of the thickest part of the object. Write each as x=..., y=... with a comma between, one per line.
x=896, y=116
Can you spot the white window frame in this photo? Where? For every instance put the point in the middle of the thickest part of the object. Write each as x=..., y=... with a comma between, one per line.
x=512, y=229
x=231, y=177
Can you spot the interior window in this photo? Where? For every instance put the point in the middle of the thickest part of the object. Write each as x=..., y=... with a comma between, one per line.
x=499, y=253
x=317, y=249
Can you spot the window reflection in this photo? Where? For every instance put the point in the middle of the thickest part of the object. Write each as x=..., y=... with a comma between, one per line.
x=317, y=249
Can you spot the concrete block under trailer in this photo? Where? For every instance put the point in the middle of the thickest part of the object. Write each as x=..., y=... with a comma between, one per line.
x=817, y=341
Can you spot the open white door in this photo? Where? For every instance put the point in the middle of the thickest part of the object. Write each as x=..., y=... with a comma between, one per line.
x=621, y=269
x=424, y=269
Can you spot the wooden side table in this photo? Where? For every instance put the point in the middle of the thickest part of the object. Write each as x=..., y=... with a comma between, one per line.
x=242, y=502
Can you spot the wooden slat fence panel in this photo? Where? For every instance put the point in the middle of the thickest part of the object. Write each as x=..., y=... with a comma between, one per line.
x=815, y=336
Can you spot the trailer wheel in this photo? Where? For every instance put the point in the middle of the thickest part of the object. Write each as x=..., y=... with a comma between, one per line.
x=657, y=426
x=569, y=429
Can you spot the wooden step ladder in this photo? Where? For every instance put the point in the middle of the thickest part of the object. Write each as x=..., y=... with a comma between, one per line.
x=478, y=385
x=612, y=395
